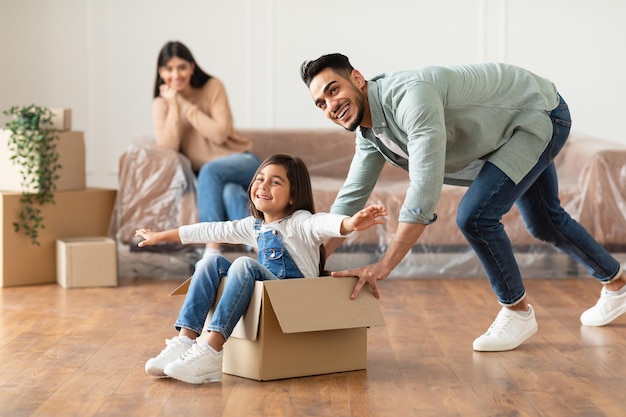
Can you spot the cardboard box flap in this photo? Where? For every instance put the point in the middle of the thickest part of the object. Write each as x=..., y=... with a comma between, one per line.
x=182, y=288
x=248, y=325
x=315, y=304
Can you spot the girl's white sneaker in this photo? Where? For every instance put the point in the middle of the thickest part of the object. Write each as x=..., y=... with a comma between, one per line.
x=200, y=363
x=174, y=349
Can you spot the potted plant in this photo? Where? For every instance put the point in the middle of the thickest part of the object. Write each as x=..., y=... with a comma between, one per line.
x=33, y=147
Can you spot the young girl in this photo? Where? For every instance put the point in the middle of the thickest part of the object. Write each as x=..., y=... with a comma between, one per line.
x=288, y=237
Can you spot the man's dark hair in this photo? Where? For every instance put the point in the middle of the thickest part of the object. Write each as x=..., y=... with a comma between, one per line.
x=337, y=62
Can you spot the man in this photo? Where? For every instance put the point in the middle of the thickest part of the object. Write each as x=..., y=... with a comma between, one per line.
x=494, y=127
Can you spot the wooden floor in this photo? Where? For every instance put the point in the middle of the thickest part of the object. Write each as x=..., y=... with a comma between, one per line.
x=82, y=353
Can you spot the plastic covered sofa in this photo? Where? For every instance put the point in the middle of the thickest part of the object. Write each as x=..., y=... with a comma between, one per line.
x=162, y=195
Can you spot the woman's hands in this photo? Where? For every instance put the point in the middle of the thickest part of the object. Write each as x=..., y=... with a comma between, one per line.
x=174, y=98
x=167, y=92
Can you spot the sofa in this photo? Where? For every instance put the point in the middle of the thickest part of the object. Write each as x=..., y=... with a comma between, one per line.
x=162, y=194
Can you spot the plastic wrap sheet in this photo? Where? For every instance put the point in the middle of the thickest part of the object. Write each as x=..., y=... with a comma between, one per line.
x=592, y=177
x=156, y=191
x=442, y=251
x=600, y=204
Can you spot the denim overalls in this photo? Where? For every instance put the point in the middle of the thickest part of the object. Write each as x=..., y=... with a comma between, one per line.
x=274, y=262
x=273, y=255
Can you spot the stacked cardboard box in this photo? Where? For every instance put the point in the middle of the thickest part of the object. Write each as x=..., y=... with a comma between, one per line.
x=78, y=211
x=86, y=262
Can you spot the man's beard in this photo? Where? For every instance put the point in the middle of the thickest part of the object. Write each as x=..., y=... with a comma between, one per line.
x=359, y=116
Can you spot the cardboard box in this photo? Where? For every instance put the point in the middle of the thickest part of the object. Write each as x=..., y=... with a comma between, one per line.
x=61, y=119
x=300, y=327
x=72, y=174
x=86, y=262
x=75, y=214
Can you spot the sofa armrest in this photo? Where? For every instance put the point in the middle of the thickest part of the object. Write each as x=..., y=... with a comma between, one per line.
x=596, y=170
x=578, y=152
x=602, y=208
x=156, y=190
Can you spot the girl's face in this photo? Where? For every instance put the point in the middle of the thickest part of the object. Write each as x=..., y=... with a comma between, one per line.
x=271, y=192
x=176, y=73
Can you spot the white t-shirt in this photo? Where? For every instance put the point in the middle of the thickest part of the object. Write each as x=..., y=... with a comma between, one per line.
x=302, y=234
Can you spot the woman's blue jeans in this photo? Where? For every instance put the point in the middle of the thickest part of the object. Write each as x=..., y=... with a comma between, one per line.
x=492, y=194
x=242, y=274
x=223, y=187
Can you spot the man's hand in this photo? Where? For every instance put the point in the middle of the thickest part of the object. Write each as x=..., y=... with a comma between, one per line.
x=404, y=238
x=369, y=274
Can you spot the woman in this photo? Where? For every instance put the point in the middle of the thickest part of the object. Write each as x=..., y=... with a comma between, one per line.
x=191, y=115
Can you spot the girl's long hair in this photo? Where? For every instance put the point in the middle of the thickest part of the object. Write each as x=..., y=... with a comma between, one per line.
x=300, y=190
x=178, y=49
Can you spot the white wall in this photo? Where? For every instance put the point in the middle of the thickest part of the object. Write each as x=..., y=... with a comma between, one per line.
x=98, y=57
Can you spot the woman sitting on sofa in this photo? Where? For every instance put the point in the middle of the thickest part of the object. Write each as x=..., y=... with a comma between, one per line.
x=191, y=115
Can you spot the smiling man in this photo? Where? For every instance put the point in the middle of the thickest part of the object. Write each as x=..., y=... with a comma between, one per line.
x=495, y=128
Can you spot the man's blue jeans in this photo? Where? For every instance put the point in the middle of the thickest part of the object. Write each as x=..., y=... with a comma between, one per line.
x=223, y=187
x=492, y=194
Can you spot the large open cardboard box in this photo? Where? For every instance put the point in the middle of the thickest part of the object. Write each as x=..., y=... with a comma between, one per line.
x=300, y=327
x=75, y=214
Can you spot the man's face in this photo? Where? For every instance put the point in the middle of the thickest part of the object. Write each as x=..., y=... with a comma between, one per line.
x=339, y=98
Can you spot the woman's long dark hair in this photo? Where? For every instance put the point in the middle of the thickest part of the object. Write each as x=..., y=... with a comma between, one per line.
x=300, y=191
x=177, y=49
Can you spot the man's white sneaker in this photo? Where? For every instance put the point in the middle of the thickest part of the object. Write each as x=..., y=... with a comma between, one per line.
x=200, y=363
x=508, y=331
x=174, y=349
x=608, y=308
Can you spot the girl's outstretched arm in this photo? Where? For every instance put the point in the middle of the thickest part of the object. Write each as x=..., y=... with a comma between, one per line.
x=364, y=219
x=154, y=238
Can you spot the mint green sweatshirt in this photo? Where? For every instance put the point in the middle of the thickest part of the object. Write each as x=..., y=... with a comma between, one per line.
x=443, y=123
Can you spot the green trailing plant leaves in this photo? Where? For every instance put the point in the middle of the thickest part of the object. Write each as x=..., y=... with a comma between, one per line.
x=34, y=149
